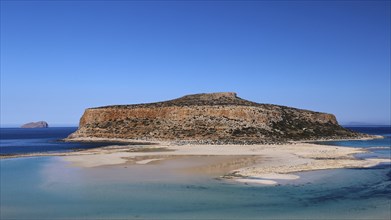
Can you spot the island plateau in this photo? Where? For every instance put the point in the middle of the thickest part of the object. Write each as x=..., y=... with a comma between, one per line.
x=213, y=118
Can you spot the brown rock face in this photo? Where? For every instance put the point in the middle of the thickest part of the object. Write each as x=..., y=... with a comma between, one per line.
x=209, y=118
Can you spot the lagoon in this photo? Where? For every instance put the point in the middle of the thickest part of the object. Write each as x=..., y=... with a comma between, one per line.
x=52, y=188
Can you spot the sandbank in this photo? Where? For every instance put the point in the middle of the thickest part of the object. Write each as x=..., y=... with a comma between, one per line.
x=278, y=161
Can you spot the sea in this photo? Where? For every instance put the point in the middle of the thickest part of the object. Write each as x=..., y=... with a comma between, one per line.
x=14, y=141
x=49, y=187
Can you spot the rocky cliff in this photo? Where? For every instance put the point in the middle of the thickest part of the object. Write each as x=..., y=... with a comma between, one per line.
x=209, y=118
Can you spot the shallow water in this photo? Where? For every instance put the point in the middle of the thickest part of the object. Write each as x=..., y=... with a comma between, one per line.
x=185, y=187
x=50, y=188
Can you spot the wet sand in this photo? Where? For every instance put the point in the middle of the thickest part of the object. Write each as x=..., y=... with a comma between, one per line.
x=264, y=164
x=243, y=163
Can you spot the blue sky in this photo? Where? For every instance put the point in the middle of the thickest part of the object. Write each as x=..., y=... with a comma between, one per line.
x=60, y=57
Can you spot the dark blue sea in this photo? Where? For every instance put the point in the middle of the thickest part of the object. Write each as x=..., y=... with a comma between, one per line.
x=40, y=140
x=378, y=148
x=53, y=188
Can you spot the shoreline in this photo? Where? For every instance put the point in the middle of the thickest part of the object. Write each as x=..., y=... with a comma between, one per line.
x=372, y=137
x=279, y=162
x=118, y=142
x=205, y=142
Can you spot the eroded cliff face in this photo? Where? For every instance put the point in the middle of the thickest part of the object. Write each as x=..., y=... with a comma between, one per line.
x=209, y=118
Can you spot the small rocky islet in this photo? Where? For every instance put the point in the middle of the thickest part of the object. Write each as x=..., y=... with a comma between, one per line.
x=38, y=124
x=210, y=118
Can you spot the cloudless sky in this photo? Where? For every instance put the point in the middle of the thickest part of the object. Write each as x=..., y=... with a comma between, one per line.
x=60, y=57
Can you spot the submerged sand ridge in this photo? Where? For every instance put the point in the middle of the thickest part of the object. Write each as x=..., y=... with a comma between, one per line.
x=273, y=162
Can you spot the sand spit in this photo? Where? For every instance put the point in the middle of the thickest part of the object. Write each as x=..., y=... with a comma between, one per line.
x=278, y=162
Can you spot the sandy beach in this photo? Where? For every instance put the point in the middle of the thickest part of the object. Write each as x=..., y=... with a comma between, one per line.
x=263, y=164
x=274, y=161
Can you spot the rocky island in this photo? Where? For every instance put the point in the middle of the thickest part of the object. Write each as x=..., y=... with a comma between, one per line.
x=256, y=143
x=39, y=124
x=214, y=118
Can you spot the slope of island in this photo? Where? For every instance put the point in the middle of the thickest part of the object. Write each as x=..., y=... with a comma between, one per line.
x=215, y=118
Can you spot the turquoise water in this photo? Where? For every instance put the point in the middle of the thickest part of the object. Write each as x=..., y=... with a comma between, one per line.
x=50, y=188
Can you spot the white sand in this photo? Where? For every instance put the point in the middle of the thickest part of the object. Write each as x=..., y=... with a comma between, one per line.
x=257, y=181
x=94, y=160
x=277, y=176
x=148, y=161
x=267, y=178
x=279, y=161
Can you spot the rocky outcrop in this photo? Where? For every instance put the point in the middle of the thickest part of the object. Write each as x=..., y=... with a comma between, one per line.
x=39, y=124
x=209, y=118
